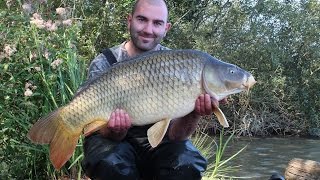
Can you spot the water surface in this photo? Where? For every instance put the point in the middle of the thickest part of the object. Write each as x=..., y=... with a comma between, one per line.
x=265, y=156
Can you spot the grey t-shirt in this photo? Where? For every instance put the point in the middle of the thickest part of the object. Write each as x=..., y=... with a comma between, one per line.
x=101, y=64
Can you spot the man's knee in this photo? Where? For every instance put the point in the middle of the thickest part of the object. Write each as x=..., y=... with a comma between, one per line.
x=191, y=166
x=186, y=170
x=113, y=166
x=105, y=159
x=188, y=164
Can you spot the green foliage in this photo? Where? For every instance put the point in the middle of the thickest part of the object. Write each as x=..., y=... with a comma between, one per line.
x=41, y=66
x=279, y=43
x=40, y=71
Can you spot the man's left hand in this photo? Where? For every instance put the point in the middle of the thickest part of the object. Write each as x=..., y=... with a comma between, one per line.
x=206, y=104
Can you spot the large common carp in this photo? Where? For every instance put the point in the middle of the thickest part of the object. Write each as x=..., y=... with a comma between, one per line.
x=154, y=87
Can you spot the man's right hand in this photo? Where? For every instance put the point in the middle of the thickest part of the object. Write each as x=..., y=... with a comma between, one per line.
x=118, y=125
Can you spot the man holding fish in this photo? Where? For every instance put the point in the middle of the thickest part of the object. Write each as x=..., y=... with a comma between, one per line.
x=130, y=156
x=137, y=115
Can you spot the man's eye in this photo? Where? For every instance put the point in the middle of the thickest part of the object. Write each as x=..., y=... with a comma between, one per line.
x=141, y=19
x=158, y=23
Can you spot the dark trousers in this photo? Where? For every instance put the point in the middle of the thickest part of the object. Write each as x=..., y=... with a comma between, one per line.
x=134, y=159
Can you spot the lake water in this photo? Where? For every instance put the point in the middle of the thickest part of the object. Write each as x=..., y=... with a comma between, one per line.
x=265, y=156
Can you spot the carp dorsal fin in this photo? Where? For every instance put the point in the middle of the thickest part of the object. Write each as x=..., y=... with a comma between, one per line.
x=221, y=117
x=157, y=131
x=94, y=126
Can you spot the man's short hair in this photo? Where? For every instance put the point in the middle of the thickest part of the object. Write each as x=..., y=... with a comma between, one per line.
x=134, y=7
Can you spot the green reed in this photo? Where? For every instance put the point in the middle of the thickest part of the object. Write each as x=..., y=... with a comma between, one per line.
x=61, y=84
x=214, y=151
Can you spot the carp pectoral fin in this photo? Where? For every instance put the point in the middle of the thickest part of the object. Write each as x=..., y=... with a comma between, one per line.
x=221, y=117
x=157, y=131
x=51, y=130
x=94, y=126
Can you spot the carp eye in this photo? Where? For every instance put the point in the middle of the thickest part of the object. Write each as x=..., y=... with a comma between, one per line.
x=231, y=71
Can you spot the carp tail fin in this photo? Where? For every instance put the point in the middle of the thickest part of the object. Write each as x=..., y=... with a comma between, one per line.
x=62, y=147
x=45, y=128
x=51, y=130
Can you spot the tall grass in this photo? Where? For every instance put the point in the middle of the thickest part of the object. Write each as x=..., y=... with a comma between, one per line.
x=56, y=87
x=59, y=83
x=214, y=151
x=42, y=72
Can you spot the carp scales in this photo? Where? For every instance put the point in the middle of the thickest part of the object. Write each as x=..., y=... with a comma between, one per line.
x=153, y=88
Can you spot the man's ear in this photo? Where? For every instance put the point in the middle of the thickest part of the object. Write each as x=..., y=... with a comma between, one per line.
x=168, y=27
x=129, y=19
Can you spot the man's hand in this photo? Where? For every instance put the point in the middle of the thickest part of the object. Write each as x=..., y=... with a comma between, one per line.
x=118, y=125
x=182, y=128
x=205, y=104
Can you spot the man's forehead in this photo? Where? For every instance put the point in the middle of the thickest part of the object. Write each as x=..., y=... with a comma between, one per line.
x=152, y=11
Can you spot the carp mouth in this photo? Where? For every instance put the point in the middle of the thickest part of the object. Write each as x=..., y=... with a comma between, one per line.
x=249, y=83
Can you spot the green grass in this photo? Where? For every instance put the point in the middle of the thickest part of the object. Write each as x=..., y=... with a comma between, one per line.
x=214, y=151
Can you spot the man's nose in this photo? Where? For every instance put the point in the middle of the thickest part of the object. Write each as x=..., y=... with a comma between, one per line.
x=148, y=28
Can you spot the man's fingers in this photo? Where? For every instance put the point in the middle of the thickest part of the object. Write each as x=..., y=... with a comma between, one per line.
x=114, y=121
x=118, y=118
x=197, y=108
x=202, y=104
x=207, y=104
x=127, y=121
x=124, y=120
x=119, y=121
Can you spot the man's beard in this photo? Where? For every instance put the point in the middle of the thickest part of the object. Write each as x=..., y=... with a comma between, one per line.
x=144, y=46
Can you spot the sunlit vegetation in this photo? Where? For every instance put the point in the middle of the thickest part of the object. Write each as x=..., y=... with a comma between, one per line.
x=46, y=47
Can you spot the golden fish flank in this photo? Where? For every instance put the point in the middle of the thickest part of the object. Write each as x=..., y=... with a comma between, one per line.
x=153, y=88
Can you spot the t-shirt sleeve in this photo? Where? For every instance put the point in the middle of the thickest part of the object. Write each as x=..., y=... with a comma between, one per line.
x=98, y=66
